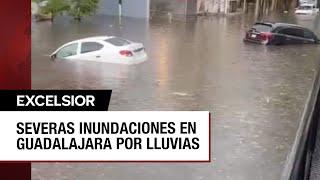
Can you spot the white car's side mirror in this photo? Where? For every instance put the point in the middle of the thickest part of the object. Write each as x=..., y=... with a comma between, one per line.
x=53, y=57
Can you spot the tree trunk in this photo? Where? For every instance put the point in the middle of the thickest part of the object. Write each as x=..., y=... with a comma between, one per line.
x=256, y=11
x=273, y=4
x=244, y=5
x=226, y=6
x=264, y=6
x=77, y=18
x=52, y=17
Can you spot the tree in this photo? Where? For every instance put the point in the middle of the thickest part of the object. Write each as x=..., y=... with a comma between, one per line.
x=55, y=7
x=39, y=4
x=36, y=1
x=264, y=6
x=81, y=8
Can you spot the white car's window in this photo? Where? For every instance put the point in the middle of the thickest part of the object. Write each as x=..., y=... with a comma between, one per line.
x=90, y=47
x=118, y=41
x=69, y=50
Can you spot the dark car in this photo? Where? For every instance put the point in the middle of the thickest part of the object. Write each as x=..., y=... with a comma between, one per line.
x=280, y=33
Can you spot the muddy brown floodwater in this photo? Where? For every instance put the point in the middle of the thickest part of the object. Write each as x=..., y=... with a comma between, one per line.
x=256, y=93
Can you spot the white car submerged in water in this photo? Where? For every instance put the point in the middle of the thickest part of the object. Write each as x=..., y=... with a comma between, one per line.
x=307, y=9
x=109, y=49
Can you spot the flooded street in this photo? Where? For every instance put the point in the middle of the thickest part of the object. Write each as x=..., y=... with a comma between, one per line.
x=256, y=93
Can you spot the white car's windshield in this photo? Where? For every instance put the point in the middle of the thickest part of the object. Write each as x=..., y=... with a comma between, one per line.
x=69, y=50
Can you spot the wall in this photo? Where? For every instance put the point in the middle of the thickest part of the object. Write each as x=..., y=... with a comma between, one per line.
x=130, y=8
x=191, y=7
x=213, y=6
x=136, y=8
x=171, y=8
x=208, y=6
x=108, y=7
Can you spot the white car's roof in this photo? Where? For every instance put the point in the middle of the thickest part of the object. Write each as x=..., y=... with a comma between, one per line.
x=95, y=38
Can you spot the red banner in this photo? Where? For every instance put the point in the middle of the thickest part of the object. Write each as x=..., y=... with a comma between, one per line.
x=15, y=65
x=15, y=45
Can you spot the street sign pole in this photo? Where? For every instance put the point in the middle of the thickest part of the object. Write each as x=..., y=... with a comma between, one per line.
x=120, y=8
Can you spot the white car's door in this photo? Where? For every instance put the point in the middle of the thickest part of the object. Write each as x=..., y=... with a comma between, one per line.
x=111, y=53
x=70, y=51
x=91, y=51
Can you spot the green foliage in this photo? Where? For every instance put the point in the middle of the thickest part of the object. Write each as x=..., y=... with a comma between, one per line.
x=81, y=8
x=55, y=7
x=76, y=8
x=38, y=1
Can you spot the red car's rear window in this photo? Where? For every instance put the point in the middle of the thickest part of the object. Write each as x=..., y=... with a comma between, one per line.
x=262, y=27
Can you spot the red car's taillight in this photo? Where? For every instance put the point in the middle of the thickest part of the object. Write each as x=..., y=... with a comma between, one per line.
x=126, y=53
x=266, y=36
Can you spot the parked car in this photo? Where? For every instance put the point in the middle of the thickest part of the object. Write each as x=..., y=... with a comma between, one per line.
x=102, y=49
x=279, y=34
x=307, y=9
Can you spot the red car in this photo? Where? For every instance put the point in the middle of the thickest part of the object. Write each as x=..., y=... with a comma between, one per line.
x=279, y=34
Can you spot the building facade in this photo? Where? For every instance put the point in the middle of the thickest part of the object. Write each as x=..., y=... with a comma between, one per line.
x=217, y=6
x=175, y=9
